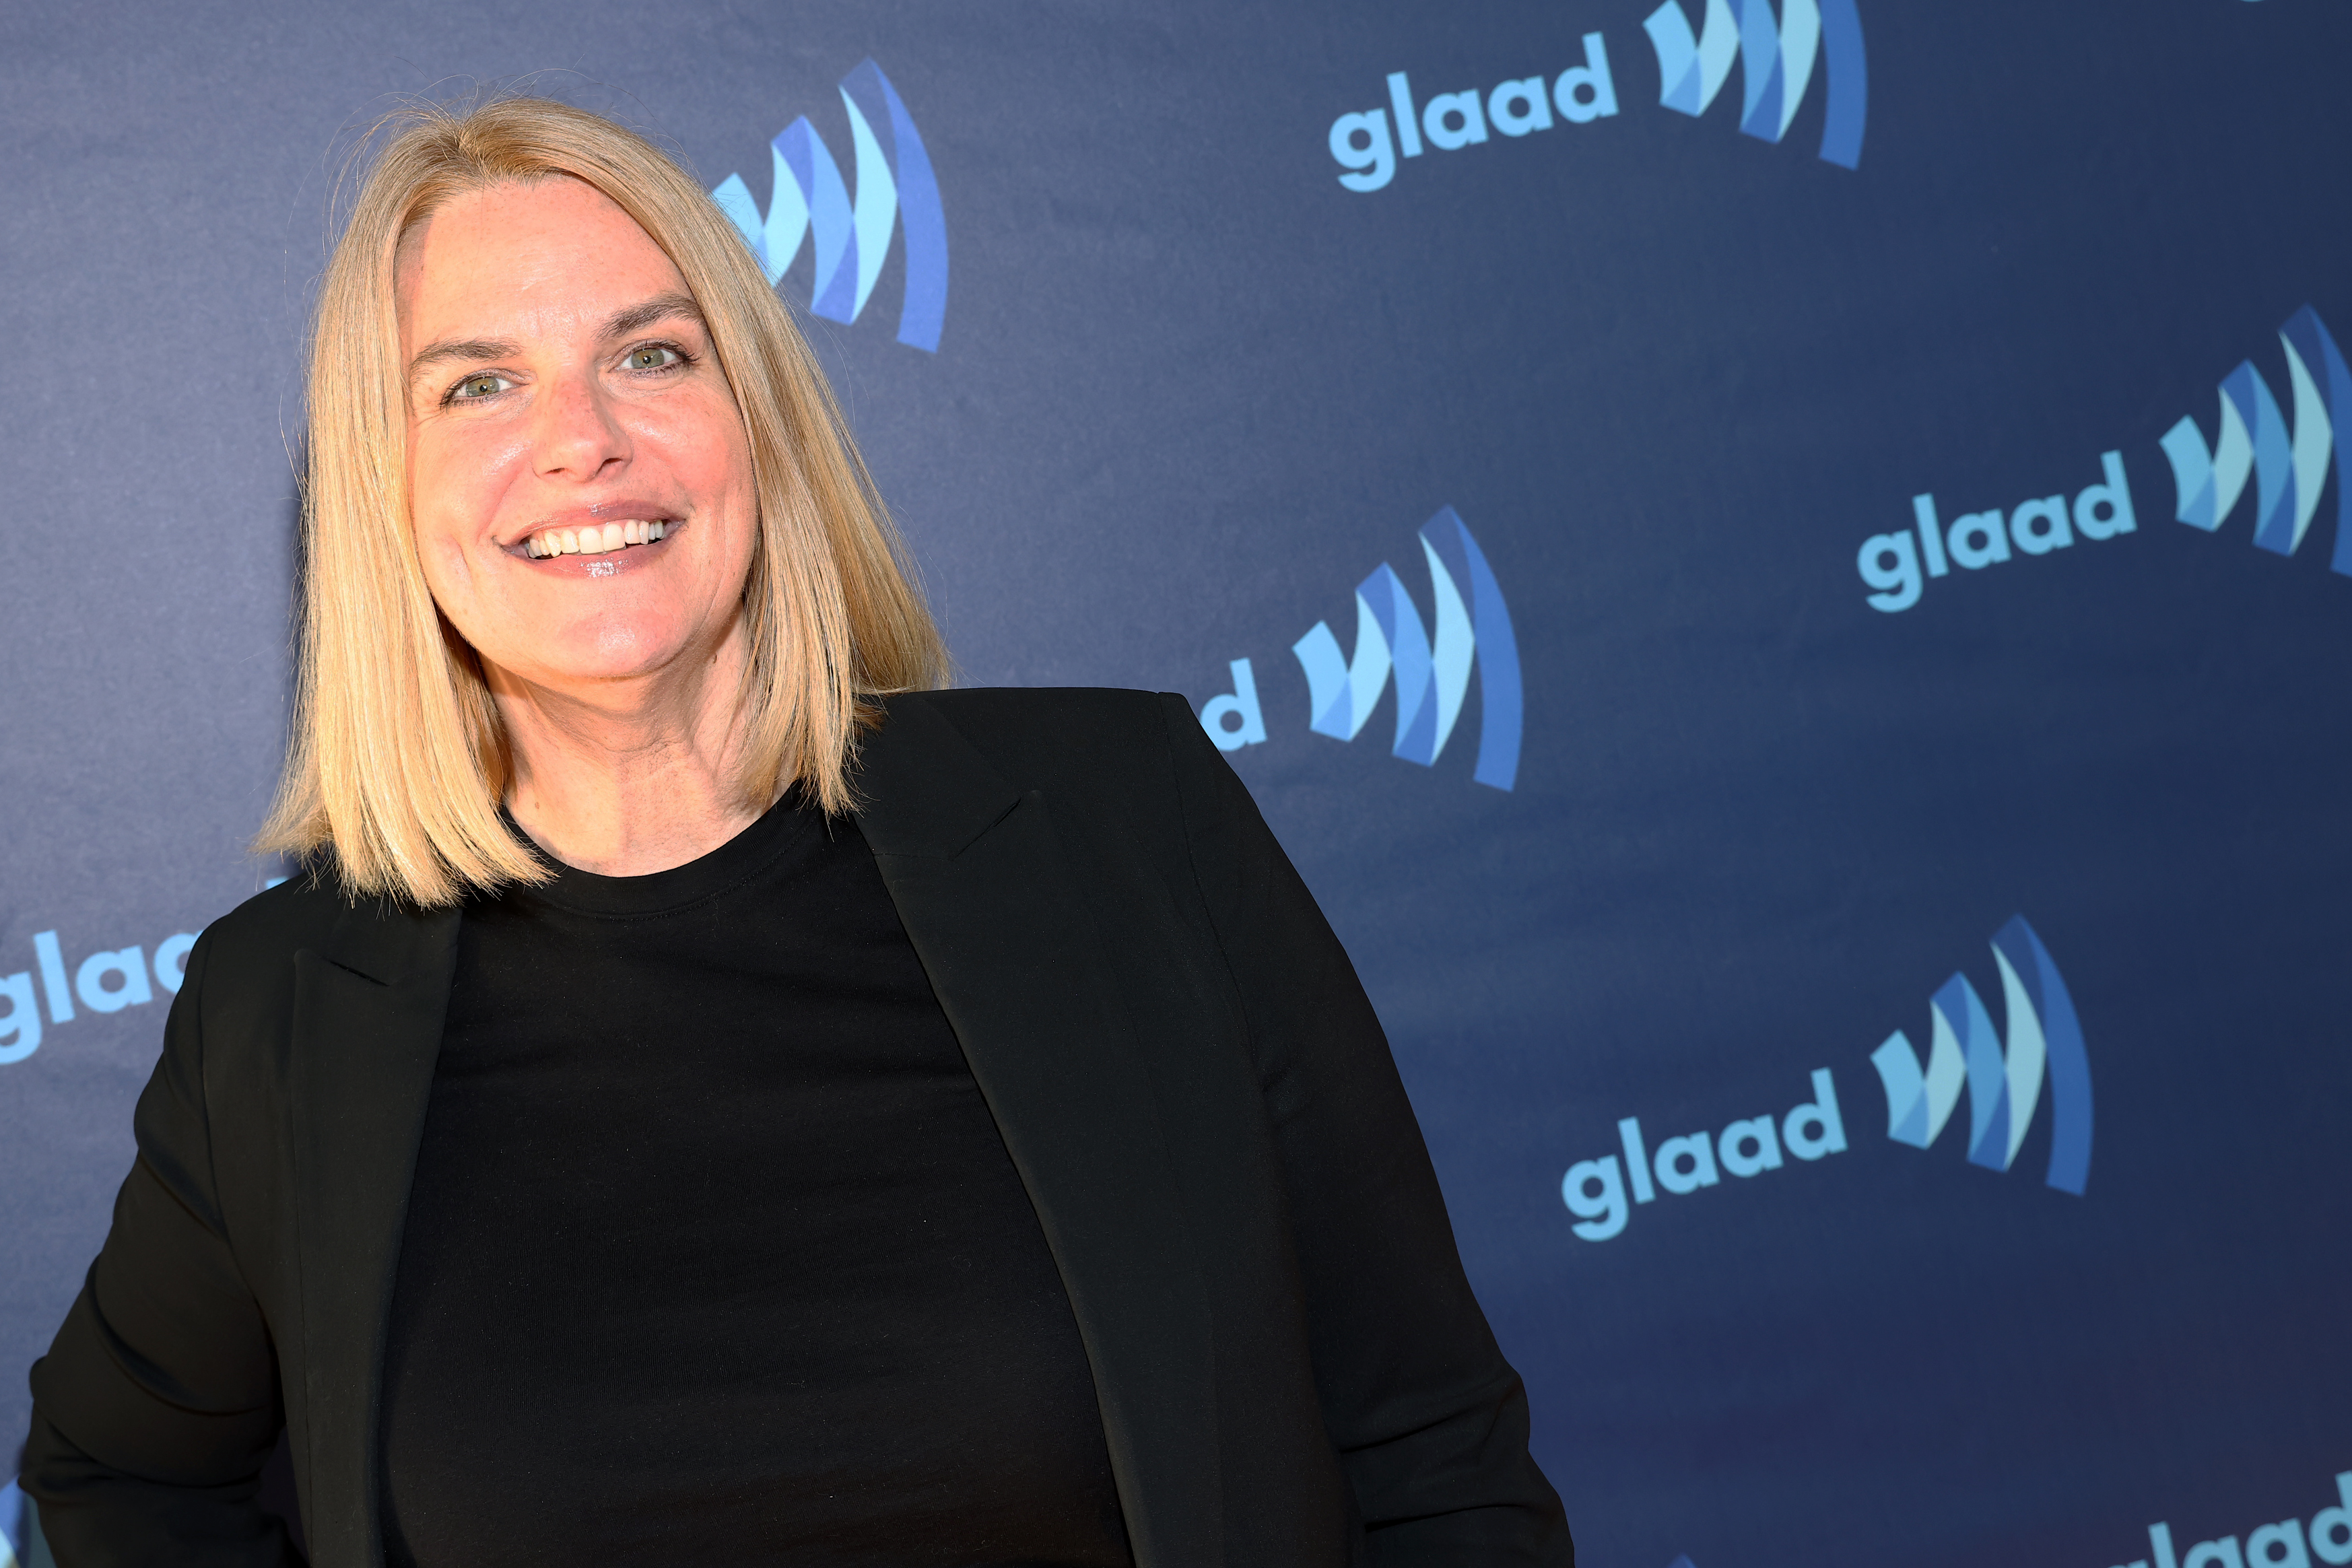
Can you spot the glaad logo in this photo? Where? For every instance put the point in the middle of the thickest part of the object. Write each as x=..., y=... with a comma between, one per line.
x=1432, y=675
x=2289, y=1543
x=2289, y=464
x=1776, y=66
x=2004, y=1088
x=897, y=192
x=2289, y=469
x=1452, y=121
x=1594, y=1190
x=1889, y=563
x=105, y=982
x=1776, y=61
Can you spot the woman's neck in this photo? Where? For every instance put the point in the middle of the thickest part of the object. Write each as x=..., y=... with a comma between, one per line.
x=626, y=778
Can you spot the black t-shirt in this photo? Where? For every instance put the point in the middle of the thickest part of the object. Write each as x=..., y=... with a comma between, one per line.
x=714, y=1255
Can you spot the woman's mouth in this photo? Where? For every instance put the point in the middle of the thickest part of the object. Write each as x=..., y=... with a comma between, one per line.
x=596, y=538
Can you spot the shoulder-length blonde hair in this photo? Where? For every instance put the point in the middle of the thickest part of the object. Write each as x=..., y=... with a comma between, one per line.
x=398, y=759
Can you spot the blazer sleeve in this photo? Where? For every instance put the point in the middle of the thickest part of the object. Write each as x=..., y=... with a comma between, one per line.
x=158, y=1404
x=1430, y=1420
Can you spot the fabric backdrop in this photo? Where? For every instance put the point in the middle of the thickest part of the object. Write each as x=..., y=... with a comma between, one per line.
x=1784, y=570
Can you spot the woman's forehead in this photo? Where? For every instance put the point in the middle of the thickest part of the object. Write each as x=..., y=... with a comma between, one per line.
x=544, y=253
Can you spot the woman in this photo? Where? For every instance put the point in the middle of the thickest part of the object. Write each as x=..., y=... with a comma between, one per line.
x=715, y=1100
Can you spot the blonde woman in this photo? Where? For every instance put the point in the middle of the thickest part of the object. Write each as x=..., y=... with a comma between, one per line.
x=715, y=1099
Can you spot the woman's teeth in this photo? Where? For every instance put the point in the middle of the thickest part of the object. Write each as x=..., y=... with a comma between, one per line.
x=594, y=540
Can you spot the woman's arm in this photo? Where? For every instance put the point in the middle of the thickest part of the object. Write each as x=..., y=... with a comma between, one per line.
x=1430, y=1420
x=158, y=1404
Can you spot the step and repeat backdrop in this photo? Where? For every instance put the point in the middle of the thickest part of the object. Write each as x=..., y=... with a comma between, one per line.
x=1783, y=568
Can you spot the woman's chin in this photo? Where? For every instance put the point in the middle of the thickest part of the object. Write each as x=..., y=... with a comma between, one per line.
x=607, y=664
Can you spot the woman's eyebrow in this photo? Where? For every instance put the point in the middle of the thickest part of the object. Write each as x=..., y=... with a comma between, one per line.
x=470, y=348
x=621, y=323
x=660, y=308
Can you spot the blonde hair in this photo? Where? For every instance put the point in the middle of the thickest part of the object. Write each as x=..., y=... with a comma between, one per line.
x=398, y=759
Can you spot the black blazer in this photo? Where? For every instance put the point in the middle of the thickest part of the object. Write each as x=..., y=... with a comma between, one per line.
x=1291, y=1367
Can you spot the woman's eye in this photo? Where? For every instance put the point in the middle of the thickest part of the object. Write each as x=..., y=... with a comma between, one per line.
x=651, y=358
x=473, y=389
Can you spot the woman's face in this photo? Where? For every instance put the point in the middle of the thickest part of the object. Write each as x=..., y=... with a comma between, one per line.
x=579, y=477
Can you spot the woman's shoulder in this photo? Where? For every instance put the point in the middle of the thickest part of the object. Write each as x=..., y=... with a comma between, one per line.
x=303, y=910
x=1041, y=714
x=1031, y=732
x=1096, y=750
x=248, y=956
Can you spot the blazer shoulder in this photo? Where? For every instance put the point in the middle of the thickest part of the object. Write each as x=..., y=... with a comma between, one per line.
x=1044, y=716
x=1050, y=736
x=269, y=928
x=255, y=944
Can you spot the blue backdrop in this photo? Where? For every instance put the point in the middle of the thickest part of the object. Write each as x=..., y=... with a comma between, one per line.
x=1888, y=568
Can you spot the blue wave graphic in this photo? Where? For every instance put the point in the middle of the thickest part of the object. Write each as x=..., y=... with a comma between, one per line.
x=2004, y=1084
x=1431, y=672
x=1919, y=1103
x=2288, y=462
x=1446, y=541
x=1849, y=68
x=2031, y=977
x=809, y=202
x=1775, y=57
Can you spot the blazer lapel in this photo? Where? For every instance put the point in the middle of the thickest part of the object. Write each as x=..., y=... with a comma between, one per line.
x=367, y=1015
x=1005, y=935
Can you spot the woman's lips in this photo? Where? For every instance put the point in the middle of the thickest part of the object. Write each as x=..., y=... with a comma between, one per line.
x=598, y=533
x=603, y=562
x=596, y=538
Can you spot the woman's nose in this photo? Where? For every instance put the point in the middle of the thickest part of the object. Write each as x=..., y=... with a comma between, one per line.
x=576, y=434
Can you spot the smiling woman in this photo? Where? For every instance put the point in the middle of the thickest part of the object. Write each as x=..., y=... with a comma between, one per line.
x=501, y=338
x=712, y=1099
